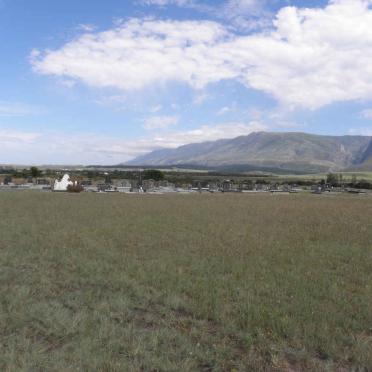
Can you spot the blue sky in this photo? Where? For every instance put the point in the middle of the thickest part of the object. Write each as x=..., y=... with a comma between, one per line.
x=100, y=82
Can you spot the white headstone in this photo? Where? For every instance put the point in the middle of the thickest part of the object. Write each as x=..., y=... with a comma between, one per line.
x=63, y=184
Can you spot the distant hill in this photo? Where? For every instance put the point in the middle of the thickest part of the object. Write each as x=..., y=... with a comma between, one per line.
x=298, y=152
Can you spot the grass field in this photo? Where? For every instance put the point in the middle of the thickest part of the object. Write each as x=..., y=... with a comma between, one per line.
x=113, y=282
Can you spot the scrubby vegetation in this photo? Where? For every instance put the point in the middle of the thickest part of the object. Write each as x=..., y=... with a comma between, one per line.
x=76, y=188
x=116, y=282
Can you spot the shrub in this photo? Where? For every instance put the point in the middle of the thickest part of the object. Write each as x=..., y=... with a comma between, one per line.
x=153, y=174
x=75, y=188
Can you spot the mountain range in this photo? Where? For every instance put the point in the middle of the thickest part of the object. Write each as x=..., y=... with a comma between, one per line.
x=284, y=152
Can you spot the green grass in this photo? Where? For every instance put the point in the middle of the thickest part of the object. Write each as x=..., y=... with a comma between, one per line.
x=118, y=282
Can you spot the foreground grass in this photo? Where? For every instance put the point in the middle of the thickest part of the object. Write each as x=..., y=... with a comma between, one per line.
x=185, y=282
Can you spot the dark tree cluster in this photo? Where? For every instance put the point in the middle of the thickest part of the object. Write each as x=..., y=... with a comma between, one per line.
x=153, y=174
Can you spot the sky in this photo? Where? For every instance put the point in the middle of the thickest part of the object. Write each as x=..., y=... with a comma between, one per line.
x=101, y=82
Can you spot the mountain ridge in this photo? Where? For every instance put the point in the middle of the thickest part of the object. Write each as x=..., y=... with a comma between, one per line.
x=294, y=151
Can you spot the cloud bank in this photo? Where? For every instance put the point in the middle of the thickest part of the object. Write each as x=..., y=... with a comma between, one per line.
x=12, y=109
x=160, y=122
x=91, y=148
x=312, y=58
x=241, y=14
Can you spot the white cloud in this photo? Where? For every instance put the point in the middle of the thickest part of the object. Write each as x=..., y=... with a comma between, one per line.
x=112, y=100
x=160, y=122
x=86, y=27
x=156, y=109
x=232, y=108
x=208, y=133
x=68, y=83
x=8, y=136
x=242, y=14
x=90, y=148
x=312, y=58
x=166, y=2
x=286, y=124
x=192, y=4
x=366, y=114
x=361, y=131
x=201, y=97
x=255, y=113
x=10, y=109
x=139, y=53
x=239, y=7
x=223, y=111
x=246, y=14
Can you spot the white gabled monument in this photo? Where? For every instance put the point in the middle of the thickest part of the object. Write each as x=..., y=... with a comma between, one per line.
x=63, y=184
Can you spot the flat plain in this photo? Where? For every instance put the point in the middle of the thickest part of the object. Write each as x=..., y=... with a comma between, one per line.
x=209, y=282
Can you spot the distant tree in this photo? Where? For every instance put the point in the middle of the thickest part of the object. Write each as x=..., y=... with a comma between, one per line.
x=153, y=174
x=354, y=179
x=25, y=173
x=332, y=179
x=50, y=173
x=363, y=184
x=7, y=180
x=117, y=174
x=340, y=179
x=108, y=180
x=35, y=172
x=92, y=174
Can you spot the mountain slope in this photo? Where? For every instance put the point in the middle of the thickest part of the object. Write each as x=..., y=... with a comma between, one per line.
x=365, y=163
x=292, y=151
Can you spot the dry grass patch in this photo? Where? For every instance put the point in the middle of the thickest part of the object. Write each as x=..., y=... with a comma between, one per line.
x=187, y=282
